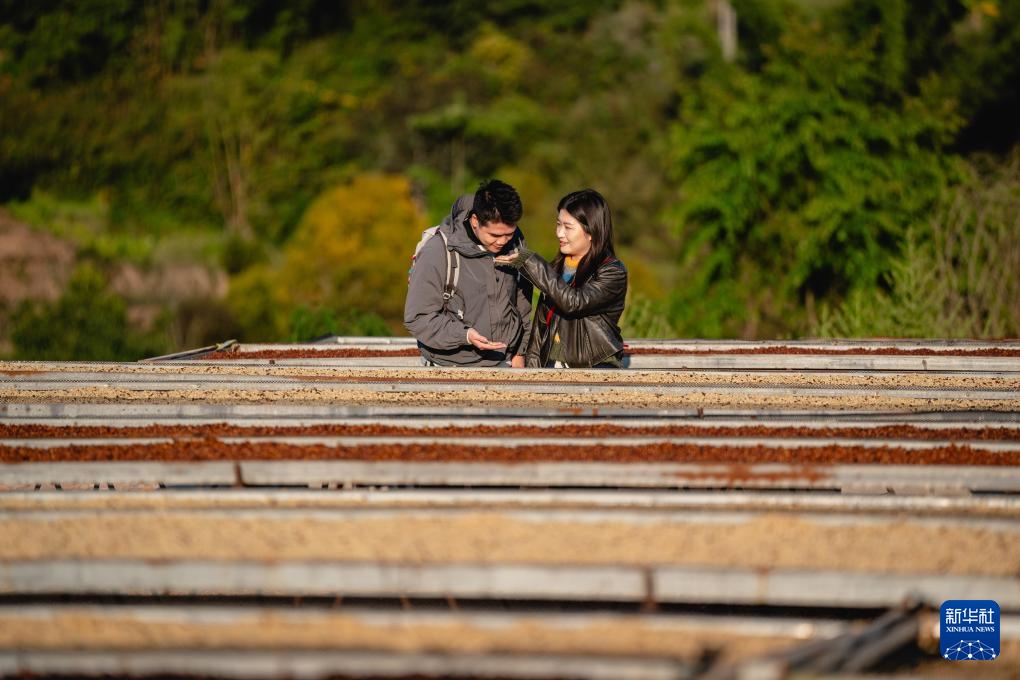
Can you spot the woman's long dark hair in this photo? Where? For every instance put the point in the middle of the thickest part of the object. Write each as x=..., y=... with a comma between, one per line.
x=588, y=207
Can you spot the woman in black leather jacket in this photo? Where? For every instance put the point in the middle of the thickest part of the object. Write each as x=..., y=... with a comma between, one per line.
x=583, y=289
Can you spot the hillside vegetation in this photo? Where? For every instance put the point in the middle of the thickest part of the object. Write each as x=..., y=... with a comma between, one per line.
x=262, y=170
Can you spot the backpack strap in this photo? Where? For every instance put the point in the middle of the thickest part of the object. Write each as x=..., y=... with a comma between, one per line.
x=452, y=268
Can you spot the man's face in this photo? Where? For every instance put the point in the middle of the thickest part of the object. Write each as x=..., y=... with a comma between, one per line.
x=492, y=235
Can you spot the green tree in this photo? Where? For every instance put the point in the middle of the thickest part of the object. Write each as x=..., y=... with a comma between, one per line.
x=259, y=304
x=349, y=254
x=64, y=41
x=797, y=184
x=789, y=176
x=353, y=246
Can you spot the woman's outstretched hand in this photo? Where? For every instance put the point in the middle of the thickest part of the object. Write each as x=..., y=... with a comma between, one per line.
x=508, y=258
x=515, y=259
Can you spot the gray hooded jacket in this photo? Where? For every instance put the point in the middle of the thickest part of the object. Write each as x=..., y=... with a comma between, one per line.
x=495, y=301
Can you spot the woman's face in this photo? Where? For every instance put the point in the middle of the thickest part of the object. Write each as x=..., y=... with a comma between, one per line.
x=574, y=240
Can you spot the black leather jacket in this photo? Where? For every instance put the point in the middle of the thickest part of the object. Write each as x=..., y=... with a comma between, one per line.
x=585, y=319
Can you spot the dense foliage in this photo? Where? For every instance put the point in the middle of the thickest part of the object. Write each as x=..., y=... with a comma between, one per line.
x=798, y=182
x=300, y=147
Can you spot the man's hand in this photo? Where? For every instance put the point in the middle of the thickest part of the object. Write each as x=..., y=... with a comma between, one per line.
x=517, y=362
x=482, y=342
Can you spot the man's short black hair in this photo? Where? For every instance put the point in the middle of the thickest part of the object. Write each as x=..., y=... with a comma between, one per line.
x=497, y=201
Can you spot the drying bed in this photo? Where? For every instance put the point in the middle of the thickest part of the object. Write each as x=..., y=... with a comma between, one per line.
x=350, y=352
x=210, y=374
x=643, y=397
x=595, y=430
x=610, y=539
x=664, y=556
x=310, y=629
x=305, y=631
x=213, y=449
x=913, y=488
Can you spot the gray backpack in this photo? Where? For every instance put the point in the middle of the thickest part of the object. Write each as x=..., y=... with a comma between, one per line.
x=452, y=261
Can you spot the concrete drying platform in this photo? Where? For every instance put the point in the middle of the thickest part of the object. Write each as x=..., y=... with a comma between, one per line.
x=793, y=488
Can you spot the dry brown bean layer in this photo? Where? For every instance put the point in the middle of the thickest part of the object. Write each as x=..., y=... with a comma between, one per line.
x=210, y=449
x=911, y=432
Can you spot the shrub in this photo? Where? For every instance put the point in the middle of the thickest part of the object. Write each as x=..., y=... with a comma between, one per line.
x=86, y=323
x=312, y=323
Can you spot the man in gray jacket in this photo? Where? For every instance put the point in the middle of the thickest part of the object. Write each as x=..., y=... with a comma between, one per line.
x=485, y=320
